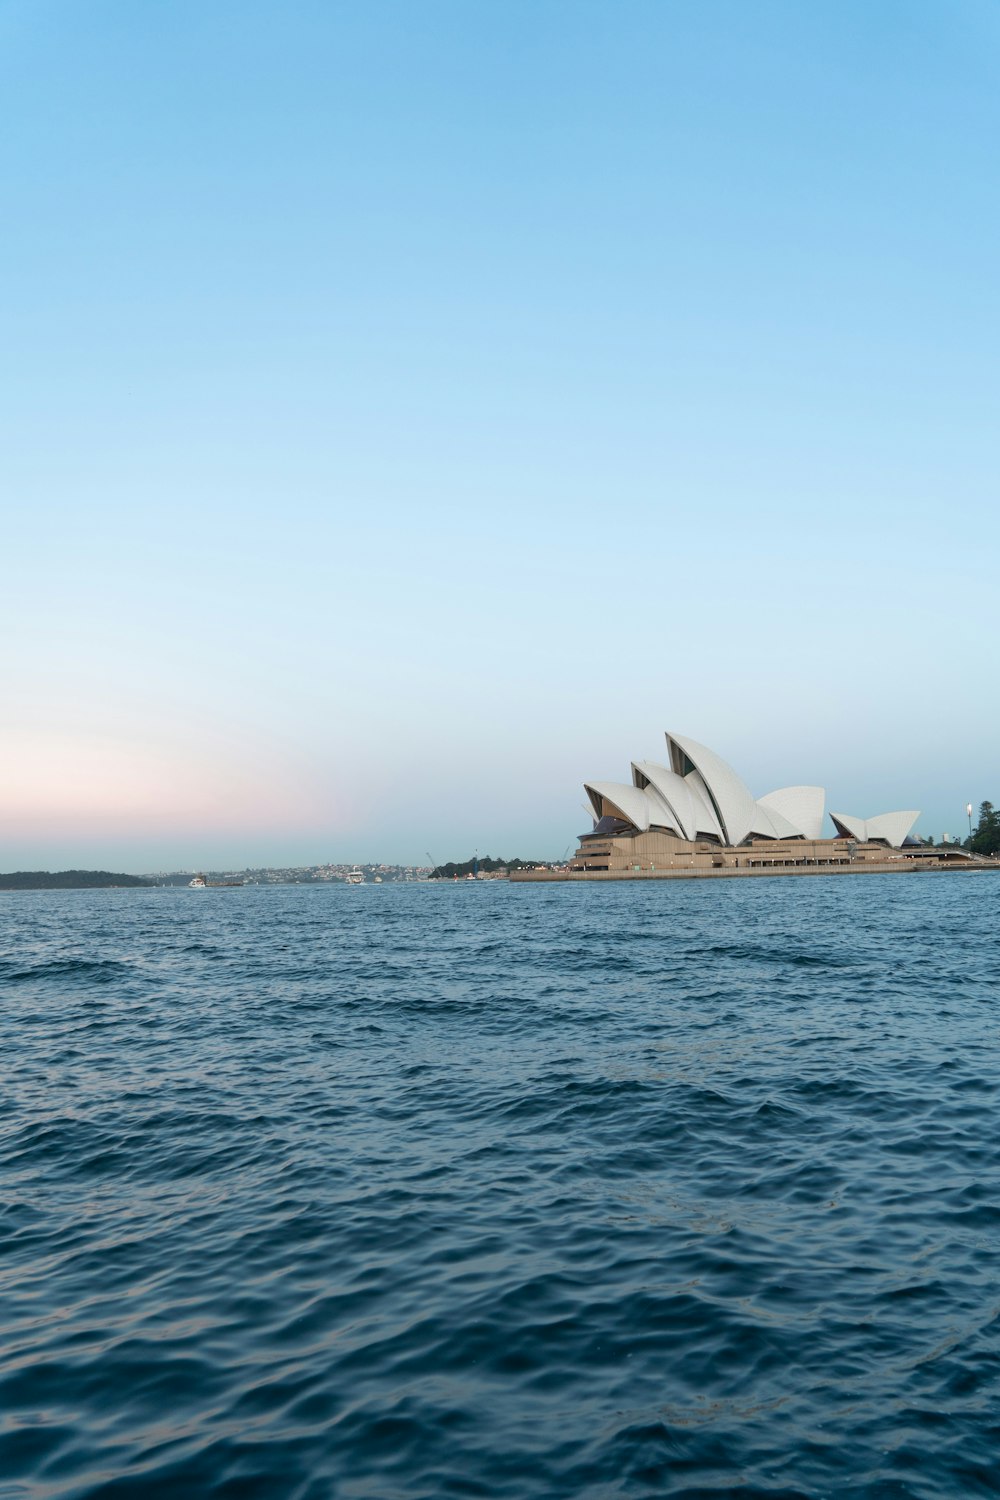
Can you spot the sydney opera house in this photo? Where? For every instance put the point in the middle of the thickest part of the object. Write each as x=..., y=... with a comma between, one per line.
x=694, y=813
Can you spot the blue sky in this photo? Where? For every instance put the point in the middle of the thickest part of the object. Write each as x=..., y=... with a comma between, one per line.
x=408, y=411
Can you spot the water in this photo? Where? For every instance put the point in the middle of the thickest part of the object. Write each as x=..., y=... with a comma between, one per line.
x=477, y=1190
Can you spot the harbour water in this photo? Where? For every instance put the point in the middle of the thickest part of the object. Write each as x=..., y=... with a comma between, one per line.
x=409, y=1192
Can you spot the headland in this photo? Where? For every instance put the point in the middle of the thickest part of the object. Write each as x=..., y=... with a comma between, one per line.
x=68, y=880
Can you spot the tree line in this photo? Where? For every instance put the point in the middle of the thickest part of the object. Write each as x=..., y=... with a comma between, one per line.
x=65, y=880
x=487, y=866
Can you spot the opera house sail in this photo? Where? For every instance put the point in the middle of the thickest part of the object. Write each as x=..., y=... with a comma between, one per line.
x=695, y=811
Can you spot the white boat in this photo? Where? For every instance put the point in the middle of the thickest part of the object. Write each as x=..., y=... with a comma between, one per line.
x=355, y=877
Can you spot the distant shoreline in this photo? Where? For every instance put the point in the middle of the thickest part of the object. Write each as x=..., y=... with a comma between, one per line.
x=70, y=880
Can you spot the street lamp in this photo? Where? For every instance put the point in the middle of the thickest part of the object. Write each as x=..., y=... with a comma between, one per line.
x=968, y=809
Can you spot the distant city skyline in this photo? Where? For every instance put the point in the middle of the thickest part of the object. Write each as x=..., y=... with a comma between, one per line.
x=409, y=412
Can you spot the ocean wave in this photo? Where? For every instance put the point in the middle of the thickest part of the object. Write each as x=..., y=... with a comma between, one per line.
x=649, y=1190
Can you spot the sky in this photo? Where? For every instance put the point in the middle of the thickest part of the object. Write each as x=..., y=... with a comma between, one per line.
x=410, y=411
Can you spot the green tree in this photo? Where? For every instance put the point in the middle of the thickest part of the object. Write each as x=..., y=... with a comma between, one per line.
x=986, y=838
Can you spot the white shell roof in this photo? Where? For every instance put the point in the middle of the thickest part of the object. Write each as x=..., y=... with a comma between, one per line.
x=768, y=822
x=705, y=814
x=711, y=800
x=855, y=828
x=891, y=826
x=674, y=791
x=661, y=813
x=801, y=806
x=627, y=799
x=644, y=808
x=731, y=797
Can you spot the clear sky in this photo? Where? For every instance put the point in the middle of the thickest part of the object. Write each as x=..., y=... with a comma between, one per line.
x=409, y=410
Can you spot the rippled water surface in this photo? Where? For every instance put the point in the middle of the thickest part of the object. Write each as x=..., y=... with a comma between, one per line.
x=486, y=1190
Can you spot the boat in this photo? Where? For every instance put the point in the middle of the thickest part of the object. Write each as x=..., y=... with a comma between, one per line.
x=199, y=883
x=355, y=876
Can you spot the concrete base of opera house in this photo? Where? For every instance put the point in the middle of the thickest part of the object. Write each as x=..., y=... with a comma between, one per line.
x=901, y=867
x=663, y=856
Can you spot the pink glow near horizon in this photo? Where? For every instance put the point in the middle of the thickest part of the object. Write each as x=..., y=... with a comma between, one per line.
x=74, y=786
